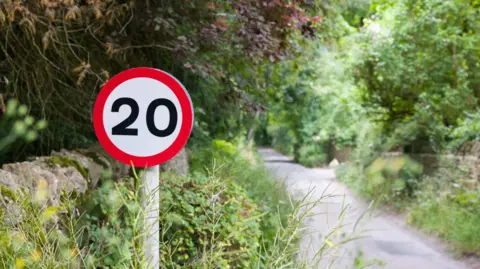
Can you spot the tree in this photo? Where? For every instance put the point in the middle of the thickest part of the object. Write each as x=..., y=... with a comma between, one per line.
x=56, y=54
x=424, y=64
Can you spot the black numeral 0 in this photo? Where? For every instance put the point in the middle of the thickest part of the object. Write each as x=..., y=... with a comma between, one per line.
x=172, y=124
x=122, y=127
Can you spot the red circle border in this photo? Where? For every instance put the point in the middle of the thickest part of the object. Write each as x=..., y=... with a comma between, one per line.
x=185, y=104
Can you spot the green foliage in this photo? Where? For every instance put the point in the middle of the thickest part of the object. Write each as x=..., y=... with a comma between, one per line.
x=16, y=126
x=282, y=138
x=312, y=155
x=214, y=152
x=421, y=56
x=450, y=221
x=216, y=48
x=230, y=163
x=28, y=234
x=68, y=162
x=111, y=225
x=386, y=180
x=207, y=216
x=354, y=12
x=448, y=205
x=315, y=103
x=205, y=220
x=468, y=129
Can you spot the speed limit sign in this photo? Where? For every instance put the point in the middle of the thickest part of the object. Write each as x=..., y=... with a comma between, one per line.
x=143, y=117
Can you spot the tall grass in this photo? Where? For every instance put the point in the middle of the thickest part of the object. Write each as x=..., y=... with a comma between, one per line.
x=235, y=218
x=448, y=205
x=445, y=202
x=57, y=237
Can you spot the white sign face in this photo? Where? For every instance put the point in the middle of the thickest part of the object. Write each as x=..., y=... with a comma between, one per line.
x=127, y=126
x=143, y=117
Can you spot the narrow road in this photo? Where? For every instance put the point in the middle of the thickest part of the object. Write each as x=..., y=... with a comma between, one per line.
x=384, y=243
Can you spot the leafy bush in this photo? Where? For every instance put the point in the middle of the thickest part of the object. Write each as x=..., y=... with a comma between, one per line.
x=392, y=178
x=282, y=139
x=110, y=226
x=17, y=127
x=387, y=180
x=226, y=161
x=412, y=61
x=468, y=129
x=448, y=204
x=204, y=221
x=312, y=155
x=207, y=220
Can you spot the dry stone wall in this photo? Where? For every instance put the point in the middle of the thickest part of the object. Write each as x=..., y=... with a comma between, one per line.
x=466, y=158
x=72, y=171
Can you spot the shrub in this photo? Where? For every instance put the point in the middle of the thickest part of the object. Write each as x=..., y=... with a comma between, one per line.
x=111, y=224
x=207, y=220
x=387, y=180
x=218, y=150
x=283, y=139
x=448, y=205
x=204, y=221
x=392, y=178
x=270, y=195
x=312, y=155
x=468, y=129
x=16, y=127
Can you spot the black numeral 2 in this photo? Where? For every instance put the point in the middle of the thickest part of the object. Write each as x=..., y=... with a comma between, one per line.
x=122, y=127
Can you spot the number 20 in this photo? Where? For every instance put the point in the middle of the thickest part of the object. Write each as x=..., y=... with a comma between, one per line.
x=122, y=127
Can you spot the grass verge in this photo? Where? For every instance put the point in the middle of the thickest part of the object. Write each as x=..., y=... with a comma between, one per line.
x=445, y=203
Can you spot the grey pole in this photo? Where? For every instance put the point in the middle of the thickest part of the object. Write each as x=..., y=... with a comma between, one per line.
x=151, y=204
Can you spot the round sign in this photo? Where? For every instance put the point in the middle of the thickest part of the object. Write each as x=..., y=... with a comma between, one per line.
x=143, y=117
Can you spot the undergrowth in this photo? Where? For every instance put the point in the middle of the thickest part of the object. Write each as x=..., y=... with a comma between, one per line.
x=213, y=218
x=239, y=165
x=445, y=203
x=448, y=205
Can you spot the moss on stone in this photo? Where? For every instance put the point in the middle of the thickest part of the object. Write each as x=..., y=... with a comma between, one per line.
x=97, y=158
x=6, y=192
x=68, y=162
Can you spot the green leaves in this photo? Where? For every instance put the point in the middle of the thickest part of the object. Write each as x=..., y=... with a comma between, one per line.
x=426, y=58
x=193, y=221
x=17, y=125
x=111, y=220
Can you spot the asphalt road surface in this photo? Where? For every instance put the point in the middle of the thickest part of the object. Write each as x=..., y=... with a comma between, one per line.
x=382, y=241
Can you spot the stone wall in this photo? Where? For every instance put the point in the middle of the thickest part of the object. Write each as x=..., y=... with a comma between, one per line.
x=69, y=171
x=468, y=158
x=178, y=164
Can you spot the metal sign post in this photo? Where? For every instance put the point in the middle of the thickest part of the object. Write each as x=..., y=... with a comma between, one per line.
x=143, y=117
x=151, y=203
